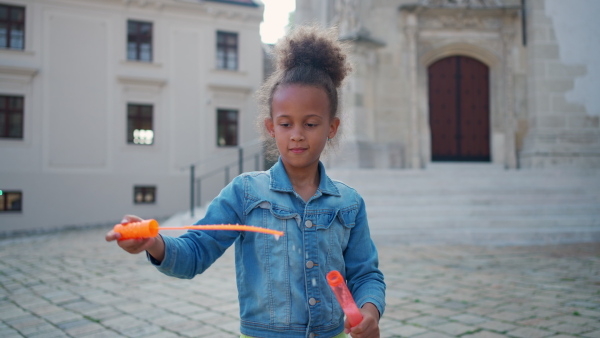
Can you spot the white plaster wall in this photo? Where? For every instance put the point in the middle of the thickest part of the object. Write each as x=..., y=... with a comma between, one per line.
x=187, y=111
x=74, y=165
x=76, y=86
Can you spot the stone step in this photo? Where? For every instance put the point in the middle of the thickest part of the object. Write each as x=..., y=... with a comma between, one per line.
x=437, y=182
x=475, y=201
x=478, y=204
x=491, y=210
x=491, y=236
x=557, y=176
x=434, y=223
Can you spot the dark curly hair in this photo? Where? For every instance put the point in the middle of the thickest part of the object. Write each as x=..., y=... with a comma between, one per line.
x=310, y=56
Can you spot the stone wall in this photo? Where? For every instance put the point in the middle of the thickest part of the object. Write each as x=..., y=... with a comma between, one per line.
x=563, y=125
x=543, y=109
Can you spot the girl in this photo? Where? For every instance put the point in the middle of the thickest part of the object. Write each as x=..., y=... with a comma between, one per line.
x=281, y=283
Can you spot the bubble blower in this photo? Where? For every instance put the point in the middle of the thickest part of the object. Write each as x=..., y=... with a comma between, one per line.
x=339, y=288
x=149, y=228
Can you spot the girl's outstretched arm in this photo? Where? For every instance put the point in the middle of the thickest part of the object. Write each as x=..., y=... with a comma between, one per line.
x=369, y=327
x=155, y=245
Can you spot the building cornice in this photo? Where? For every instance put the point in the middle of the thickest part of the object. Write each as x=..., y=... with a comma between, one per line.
x=362, y=36
x=212, y=9
x=249, y=3
x=230, y=88
x=460, y=5
x=18, y=71
x=141, y=81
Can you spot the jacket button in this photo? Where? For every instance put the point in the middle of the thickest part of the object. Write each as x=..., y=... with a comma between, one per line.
x=310, y=264
x=312, y=301
x=308, y=224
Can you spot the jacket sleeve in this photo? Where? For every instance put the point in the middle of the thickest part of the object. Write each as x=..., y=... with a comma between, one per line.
x=193, y=252
x=365, y=280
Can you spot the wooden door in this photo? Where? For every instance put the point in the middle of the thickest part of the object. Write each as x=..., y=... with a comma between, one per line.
x=459, y=115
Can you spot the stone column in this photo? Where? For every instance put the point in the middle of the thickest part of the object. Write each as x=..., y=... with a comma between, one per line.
x=413, y=145
x=357, y=109
x=508, y=106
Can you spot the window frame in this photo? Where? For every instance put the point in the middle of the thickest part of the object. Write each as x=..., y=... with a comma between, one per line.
x=223, y=48
x=10, y=26
x=8, y=113
x=138, y=120
x=224, y=123
x=144, y=189
x=138, y=38
x=4, y=200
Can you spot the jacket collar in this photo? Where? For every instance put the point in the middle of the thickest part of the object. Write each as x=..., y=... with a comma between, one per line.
x=281, y=182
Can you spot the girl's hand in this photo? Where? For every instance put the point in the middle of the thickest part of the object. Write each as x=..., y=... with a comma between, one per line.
x=135, y=246
x=369, y=327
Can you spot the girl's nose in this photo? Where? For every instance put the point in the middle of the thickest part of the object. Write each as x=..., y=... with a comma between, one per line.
x=297, y=136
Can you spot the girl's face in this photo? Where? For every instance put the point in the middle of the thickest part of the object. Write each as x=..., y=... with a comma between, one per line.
x=301, y=124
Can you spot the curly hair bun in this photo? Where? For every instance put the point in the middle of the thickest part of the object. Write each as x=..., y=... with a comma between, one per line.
x=314, y=47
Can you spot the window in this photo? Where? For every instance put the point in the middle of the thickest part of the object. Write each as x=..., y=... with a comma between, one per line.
x=144, y=194
x=139, y=41
x=12, y=27
x=227, y=50
x=139, y=124
x=11, y=117
x=10, y=200
x=227, y=127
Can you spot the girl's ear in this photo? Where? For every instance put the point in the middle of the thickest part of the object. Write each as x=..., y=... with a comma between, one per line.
x=270, y=126
x=333, y=126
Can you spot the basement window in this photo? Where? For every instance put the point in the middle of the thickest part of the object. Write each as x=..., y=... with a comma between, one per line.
x=144, y=194
x=11, y=201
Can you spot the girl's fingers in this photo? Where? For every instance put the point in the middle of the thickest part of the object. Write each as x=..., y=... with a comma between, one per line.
x=130, y=219
x=130, y=245
x=112, y=236
x=135, y=246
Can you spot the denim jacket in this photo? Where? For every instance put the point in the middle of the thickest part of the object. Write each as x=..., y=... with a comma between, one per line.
x=282, y=288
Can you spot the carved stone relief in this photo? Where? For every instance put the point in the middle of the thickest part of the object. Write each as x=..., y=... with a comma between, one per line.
x=462, y=3
x=459, y=20
x=348, y=17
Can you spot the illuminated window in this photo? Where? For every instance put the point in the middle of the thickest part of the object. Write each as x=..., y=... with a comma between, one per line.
x=12, y=27
x=227, y=127
x=227, y=50
x=139, y=124
x=139, y=41
x=144, y=194
x=11, y=117
x=10, y=200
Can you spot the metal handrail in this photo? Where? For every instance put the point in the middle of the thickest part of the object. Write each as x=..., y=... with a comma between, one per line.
x=213, y=158
x=197, y=180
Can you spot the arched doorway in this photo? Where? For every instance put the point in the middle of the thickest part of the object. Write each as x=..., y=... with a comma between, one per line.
x=459, y=114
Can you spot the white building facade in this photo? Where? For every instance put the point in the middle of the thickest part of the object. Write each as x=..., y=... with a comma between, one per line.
x=105, y=104
x=510, y=82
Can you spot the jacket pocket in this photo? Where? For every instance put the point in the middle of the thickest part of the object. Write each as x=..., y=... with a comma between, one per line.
x=334, y=228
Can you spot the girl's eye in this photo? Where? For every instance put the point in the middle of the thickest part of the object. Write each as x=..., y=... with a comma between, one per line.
x=311, y=125
x=284, y=124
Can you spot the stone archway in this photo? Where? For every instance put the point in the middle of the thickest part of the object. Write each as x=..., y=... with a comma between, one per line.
x=434, y=31
x=494, y=65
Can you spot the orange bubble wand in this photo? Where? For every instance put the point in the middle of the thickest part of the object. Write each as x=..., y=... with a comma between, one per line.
x=149, y=228
x=344, y=297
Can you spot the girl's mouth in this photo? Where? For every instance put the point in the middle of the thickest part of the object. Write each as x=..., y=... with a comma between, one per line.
x=297, y=150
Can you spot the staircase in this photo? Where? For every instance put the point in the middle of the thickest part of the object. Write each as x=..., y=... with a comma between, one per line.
x=478, y=204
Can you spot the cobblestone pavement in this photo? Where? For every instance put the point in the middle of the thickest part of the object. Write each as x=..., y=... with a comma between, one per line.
x=74, y=284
